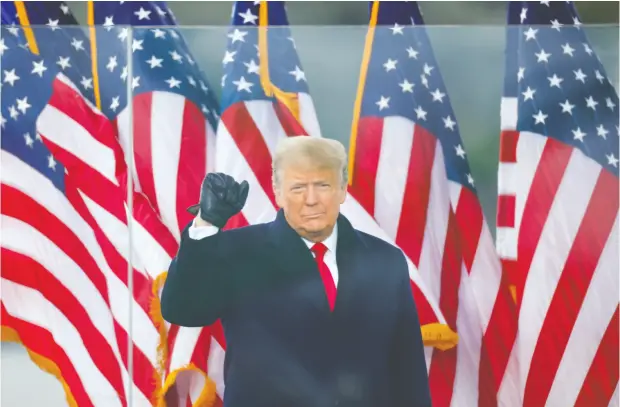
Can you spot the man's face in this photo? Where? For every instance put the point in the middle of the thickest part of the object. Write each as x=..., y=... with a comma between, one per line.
x=310, y=198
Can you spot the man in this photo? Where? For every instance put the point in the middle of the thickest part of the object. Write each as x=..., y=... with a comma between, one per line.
x=315, y=313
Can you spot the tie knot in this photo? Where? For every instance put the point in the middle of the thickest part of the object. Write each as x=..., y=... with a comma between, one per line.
x=319, y=250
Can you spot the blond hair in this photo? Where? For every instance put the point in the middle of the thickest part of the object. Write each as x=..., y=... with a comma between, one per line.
x=319, y=152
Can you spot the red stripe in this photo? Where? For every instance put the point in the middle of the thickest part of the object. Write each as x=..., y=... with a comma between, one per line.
x=288, y=122
x=443, y=364
x=251, y=143
x=192, y=161
x=367, y=152
x=470, y=221
x=417, y=191
x=173, y=331
x=23, y=270
x=506, y=205
x=549, y=173
x=143, y=214
x=602, y=378
x=508, y=142
x=142, y=146
x=41, y=341
x=593, y=233
x=200, y=355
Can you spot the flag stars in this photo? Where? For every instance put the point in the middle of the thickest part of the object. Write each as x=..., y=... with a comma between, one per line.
x=173, y=82
x=424, y=80
x=176, y=56
x=520, y=74
x=3, y=46
x=406, y=86
x=28, y=140
x=143, y=14
x=459, y=151
x=77, y=44
x=449, y=123
x=23, y=105
x=248, y=17
x=580, y=76
x=108, y=23
x=242, y=84
x=390, y=65
x=298, y=74
x=470, y=179
x=420, y=113
x=567, y=107
x=602, y=132
x=542, y=56
x=427, y=69
x=540, y=117
x=115, y=103
x=587, y=49
x=599, y=76
x=252, y=67
x=438, y=95
x=38, y=68
x=64, y=8
x=158, y=33
x=528, y=94
x=397, y=29
x=523, y=15
x=191, y=81
x=591, y=103
x=237, y=35
x=203, y=86
x=612, y=160
x=566, y=49
x=556, y=25
x=10, y=77
x=53, y=24
x=63, y=62
x=135, y=82
x=229, y=56
x=51, y=163
x=154, y=62
x=610, y=104
x=383, y=103
x=530, y=34
x=555, y=81
x=136, y=45
x=13, y=113
x=412, y=53
x=578, y=134
x=87, y=83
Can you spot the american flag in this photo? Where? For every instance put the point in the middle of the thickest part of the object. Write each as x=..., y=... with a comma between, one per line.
x=174, y=116
x=65, y=247
x=410, y=172
x=265, y=98
x=558, y=210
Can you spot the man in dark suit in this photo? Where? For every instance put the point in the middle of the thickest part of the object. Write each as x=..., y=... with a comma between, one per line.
x=315, y=312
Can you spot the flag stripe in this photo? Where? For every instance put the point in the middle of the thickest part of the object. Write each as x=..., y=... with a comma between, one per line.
x=366, y=163
x=587, y=246
x=601, y=383
x=41, y=341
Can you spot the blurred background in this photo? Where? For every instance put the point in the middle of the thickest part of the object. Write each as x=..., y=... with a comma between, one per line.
x=468, y=40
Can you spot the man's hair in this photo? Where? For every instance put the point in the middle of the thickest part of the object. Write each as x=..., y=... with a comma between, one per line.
x=320, y=152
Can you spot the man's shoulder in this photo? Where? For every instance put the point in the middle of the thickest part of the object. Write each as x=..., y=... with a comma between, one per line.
x=377, y=244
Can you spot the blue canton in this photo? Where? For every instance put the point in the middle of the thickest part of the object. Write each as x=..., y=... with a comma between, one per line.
x=241, y=80
x=404, y=80
x=161, y=59
x=26, y=88
x=562, y=88
x=59, y=39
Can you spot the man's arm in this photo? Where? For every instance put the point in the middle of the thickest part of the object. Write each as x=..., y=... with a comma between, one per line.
x=408, y=364
x=198, y=286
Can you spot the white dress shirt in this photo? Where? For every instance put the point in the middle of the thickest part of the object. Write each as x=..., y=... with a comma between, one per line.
x=201, y=232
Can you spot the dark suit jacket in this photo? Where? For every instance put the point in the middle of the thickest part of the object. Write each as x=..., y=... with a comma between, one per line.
x=285, y=348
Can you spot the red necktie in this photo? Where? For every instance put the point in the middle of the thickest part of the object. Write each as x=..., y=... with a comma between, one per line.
x=319, y=250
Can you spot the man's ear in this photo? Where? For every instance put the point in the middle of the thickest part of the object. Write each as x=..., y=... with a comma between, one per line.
x=344, y=194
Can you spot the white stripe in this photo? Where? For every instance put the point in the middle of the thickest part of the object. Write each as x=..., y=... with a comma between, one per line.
x=210, y=132
x=307, y=115
x=29, y=305
x=361, y=220
x=510, y=393
x=69, y=135
x=216, y=366
x=436, y=227
x=125, y=137
x=40, y=189
x=468, y=326
x=615, y=398
x=509, y=113
x=229, y=160
x=516, y=180
x=166, y=136
x=599, y=306
x=264, y=117
x=558, y=235
x=184, y=345
x=392, y=171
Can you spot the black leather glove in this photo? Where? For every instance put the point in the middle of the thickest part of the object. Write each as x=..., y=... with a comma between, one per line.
x=221, y=197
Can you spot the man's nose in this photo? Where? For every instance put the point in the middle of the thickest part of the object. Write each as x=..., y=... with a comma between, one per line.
x=311, y=196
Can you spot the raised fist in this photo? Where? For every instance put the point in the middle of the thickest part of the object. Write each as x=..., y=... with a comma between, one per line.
x=221, y=197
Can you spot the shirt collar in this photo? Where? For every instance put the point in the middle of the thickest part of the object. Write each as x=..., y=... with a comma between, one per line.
x=330, y=242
